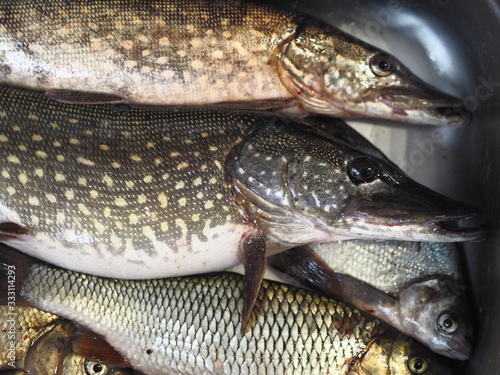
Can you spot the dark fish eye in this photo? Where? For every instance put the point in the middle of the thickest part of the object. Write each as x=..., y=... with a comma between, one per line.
x=362, y=170
x=95, y=368
x=446, y=323
x=382, y=65
x=417, y=365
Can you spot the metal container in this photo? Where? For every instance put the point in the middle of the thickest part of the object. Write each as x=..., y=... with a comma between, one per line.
x=455, y=45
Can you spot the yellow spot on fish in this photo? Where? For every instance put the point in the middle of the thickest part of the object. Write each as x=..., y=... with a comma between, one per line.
x=213, y=148
x=145, y=53
x=59, y=177
x=107, y=212
x=181, y=53
x=174, y=154
x=167, y=74
x=197, y=64
x=130, y=184
x=51, y=197
x=148, y=179
x=209, y=204
x=13, y=159
x=218, y=164
x=115, y=165
x=197, y=181
x=135, y=157
x=182, y=202
x=162, y=198
x=60, y=158
x=32, y=117
x=163, y=41
x=60, y=217
x=41, y=154
x=157, y=161
x=108, y=180
x=148, y=232
x=94, y=194
x=35, y=220
x=104, y=147
x=213, y=180
x=217, y=54
x=200, y=195
x=141, y=198
x=150, y=144
x=23, y=178
x=195, y=217
x=22, y=147
x=39, y=172
x=74, y=141
x=11, y=190
x=56, y=144
x=133, y=218
x=83, y=209
x=69, y=194
x=127, y=44
x=82, y=181
x=165, y=176
x=179, y=185
x=84, y=161
x=99, y=226
x=182, y=165
x=118, y=224
x=226, y=34
x=121, y=202
x=33, y=201
x=164, y=226
x=116, y=242
x=16, y=128
x=5, y=174
x=219, y=196
x=37, y=137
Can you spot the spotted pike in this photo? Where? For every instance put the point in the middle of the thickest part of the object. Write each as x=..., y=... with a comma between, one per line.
x=209, y=51
x=40, y=343
x=190, y=325
x=415, y=287
x=143, y=192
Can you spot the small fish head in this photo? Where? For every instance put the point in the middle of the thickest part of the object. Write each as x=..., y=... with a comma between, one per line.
x=437, y=312
x=395, y=354
x=311, y=187
x=333, y=73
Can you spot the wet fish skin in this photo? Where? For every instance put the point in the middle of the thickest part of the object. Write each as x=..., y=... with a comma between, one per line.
x=44, y=345
x=199, y=52
x=150, y=192
x=190, y=325
x=415, y=287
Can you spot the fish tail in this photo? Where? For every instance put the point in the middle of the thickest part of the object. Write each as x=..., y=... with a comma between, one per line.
x=14, y=268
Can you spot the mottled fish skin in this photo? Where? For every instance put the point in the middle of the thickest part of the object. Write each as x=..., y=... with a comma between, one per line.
x=44, y=345
x=199, y=52
x=415, y=287
x=141, y=192
x=191, y=325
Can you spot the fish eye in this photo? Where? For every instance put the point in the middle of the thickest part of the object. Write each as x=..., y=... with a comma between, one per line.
x=95, y=368
x=417, y=365
x=446, y=323
x=382, y=65
x=362, y=170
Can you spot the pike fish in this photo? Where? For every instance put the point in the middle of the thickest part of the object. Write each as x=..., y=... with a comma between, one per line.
x=209, y=51
x=144, y=192
x=413, y=286
x=190, y=325
x=39, y=343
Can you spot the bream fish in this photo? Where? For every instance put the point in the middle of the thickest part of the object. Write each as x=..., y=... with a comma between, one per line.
x=39, y=343
x=415, y=287
x=200, y=52
x=145, y=192
x=191, y=325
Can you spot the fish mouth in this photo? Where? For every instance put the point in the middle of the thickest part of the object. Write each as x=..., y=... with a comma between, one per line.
x=420, y=105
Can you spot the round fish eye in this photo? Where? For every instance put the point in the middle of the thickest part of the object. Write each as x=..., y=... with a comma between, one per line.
x=382, y=65
x=362, y=170
x=417, y=365
x=446, y=323
x=95, y=368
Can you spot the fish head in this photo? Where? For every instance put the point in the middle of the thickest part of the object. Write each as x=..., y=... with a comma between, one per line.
x=437, y=312
x=333, y=73
x=316, y=188
x=395, y=354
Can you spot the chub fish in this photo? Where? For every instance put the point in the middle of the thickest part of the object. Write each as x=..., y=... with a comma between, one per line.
x=413, y=286
x=190, y=325
x=44, y=344
x=201, y=52
x=144, y=192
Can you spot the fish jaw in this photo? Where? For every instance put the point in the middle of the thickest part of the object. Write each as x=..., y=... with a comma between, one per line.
x=334, y=74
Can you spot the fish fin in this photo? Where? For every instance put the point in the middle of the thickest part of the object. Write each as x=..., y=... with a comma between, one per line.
x=9, y=231
x=96, y=348
x=14, y=267
x=269, y=105
x=304, y=265
x=82, y=97
x=254, y=252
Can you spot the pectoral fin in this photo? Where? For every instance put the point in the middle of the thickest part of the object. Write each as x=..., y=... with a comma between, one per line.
x=253, y=249
x=81, y=97
x=95, y=348
x=270, y=105
x=9, y=230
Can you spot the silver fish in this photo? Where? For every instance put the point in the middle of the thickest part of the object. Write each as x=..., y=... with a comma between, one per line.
x=415, y=287
x=200, y=52
x=190, y=325
x=141, y=192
